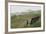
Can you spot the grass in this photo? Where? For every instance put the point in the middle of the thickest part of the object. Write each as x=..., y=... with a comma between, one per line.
x=20, y=20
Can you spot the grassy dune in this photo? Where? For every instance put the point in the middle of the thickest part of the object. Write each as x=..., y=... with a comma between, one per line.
x=20, y=21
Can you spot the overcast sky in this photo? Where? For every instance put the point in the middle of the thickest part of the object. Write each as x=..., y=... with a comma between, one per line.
x=19, y=8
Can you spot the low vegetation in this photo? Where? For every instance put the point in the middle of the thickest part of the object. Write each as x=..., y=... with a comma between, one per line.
x=20, y=21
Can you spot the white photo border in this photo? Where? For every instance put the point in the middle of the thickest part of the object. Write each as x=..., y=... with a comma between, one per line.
x=23, y=29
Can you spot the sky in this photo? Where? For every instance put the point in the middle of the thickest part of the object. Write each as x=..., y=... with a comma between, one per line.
x=17, y=9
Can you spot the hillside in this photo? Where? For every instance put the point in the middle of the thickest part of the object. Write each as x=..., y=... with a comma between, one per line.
x=20, y=21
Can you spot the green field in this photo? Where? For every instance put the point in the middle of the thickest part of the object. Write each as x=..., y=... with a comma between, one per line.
x=20, y=21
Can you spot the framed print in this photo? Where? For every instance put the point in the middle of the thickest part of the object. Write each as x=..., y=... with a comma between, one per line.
x=25, y=17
